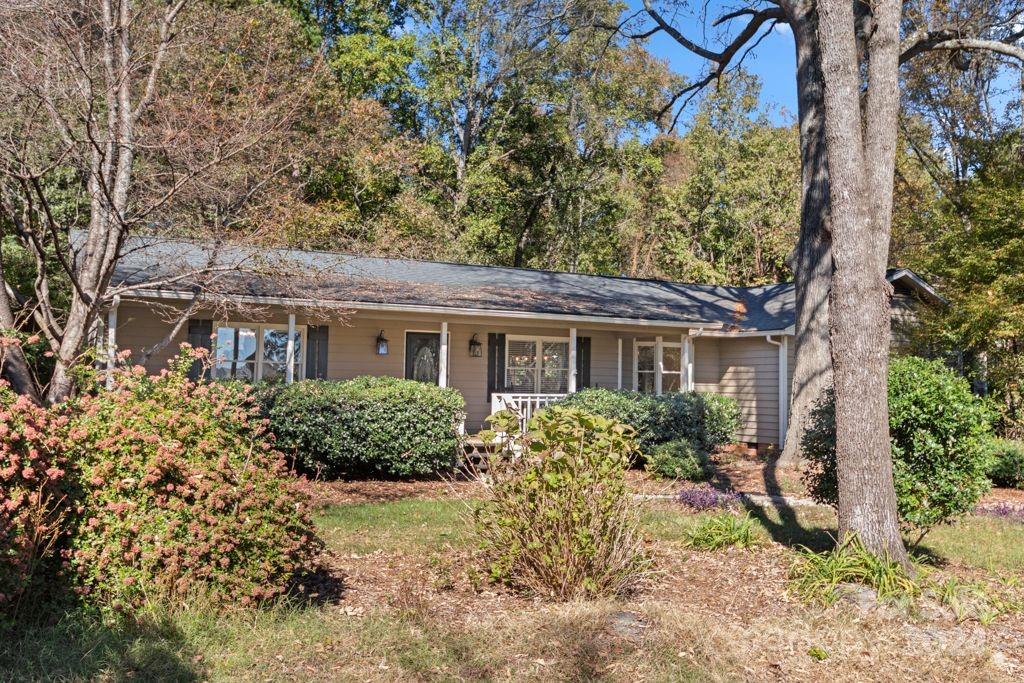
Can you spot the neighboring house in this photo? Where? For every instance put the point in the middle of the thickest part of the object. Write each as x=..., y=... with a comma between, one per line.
x=501, y=336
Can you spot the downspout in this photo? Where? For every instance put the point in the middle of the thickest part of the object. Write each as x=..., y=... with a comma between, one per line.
x=690, y=357
x=783, y=346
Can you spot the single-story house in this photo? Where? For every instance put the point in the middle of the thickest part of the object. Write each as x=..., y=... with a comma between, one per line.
x=501, y=336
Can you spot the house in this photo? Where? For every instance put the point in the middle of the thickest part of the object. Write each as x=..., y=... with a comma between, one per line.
x=501, y=336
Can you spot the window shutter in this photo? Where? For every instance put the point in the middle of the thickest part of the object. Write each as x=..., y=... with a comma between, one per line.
x=199, y=337
x=582, y=362
x=495, y=363
x=316, y=351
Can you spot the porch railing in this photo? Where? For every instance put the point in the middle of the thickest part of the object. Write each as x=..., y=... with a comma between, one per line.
x=523, y=405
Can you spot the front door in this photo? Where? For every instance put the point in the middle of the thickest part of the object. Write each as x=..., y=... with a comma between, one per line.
x=422, y=353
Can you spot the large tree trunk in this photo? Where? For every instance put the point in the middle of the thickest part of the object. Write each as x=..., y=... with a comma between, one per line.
x=860, y=294
x=812, y=259
x=13, y=364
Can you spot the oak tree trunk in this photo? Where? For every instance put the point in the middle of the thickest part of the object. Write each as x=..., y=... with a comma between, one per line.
x=860, y=216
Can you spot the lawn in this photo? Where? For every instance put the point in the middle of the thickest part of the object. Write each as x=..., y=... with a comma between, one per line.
x=414, y=608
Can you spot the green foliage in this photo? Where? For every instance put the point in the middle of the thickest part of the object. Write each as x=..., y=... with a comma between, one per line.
x=722, y=530
x=1006, y=462
x=819, y=577
x=679, y=459
x=32, y=488
x=938, y=430
x=706, y=420
x=559, y=519
x=178, y=494
x=366, y=426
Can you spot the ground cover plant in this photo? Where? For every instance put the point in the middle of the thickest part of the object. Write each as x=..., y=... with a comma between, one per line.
x=558, y=519
x=722, y=530
x=939, y=430
x=366, y=426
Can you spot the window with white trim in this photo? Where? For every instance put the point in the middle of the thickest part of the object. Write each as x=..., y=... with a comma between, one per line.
x=536, y=365
x=645, y=358
x=255, y=352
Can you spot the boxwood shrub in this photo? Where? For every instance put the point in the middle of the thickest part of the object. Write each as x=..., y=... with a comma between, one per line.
x=679, y=459
x=705, y=420
x=1006, y=462
x=367, y=426
x=938, y=429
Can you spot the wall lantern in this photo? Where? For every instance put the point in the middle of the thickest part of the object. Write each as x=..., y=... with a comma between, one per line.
x=476, y=349
x=382, y=344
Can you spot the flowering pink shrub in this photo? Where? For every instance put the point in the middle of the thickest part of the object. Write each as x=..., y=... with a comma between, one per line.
x=32, y=479
x=180, y=493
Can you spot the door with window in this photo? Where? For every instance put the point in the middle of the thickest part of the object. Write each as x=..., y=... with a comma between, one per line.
x=422, y=356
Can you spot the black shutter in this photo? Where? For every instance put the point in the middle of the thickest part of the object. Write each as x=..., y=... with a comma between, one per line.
x=582, y=362
x=495, y=363
x=199, y=337
x=316, y=351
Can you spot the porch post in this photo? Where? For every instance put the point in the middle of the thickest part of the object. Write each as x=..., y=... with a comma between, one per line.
x=572, y=360
x=112, y=340
x=289, y=351
x=686, y=345
x=659, y=362
x=442, y=362
x=783, y=390
x=618, y=377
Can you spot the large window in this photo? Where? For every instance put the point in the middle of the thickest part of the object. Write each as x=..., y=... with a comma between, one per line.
x=537, y=365
x=256, y=352
x=645, y=358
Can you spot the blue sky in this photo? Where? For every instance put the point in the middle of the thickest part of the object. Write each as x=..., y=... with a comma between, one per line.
x=773, y=61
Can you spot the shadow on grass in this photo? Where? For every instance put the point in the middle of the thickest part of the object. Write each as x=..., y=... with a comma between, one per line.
x=79, y=645
x=780, y=519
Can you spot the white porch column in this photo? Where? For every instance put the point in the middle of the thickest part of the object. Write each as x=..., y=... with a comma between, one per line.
x=783, y=390
x=659, y=363
x=572, y=360
x=618, y=377
x=442, y=362
x=112, y=340
x=289, y=351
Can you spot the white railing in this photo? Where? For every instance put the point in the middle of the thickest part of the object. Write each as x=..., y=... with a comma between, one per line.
x=523, y=405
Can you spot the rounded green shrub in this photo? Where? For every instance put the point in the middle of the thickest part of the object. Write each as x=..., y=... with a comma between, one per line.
x=1006, y=462
x=643, y=412
x=559, y=519
x=366, y=426
x=938, y=430
x=679, y=459
x=178, y=494
x=32, y=490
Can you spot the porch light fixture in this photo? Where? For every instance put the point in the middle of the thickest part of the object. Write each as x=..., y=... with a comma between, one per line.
x=476, y=349
x=382, y=344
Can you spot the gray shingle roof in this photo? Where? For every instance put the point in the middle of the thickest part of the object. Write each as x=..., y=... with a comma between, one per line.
x=349, y=279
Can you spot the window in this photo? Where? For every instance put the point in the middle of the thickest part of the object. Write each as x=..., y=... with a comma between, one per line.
x=537, y=365
x=645, y=357
x=256, y=352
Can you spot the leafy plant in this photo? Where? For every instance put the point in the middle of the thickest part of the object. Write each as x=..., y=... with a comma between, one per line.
x=32, y=491
x=818, y=577
x=1006, y=462
x=366, y=426
x=179, y=493
x=938, y=430
x=643, y=412
x=722, y=530
x=679, y=459
x=559, y=519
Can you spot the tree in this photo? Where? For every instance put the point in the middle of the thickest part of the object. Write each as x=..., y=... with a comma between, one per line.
x=864, y=192
x=121, y=117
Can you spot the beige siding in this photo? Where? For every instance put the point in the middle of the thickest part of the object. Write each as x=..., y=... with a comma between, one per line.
x=749, y=372
x=744, y=368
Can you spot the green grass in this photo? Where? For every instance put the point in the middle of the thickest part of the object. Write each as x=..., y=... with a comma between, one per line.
x=391, y=527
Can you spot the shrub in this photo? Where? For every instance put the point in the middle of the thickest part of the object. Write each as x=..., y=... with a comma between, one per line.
x=559, y=519
x=179, y=493
x=707, y=420
x=1006, y=462
x=722, y=531
x=643, y=412
x=938, y=429
x=32, y=480
x=366, y=426
x=679, y=459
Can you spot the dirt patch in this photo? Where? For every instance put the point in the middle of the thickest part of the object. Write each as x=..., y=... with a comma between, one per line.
x=326, y=493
